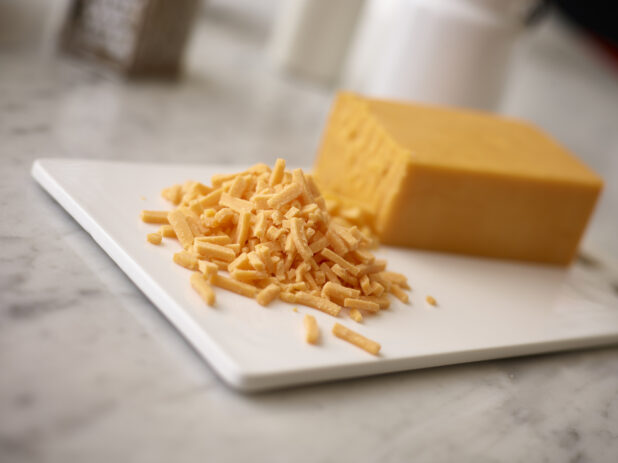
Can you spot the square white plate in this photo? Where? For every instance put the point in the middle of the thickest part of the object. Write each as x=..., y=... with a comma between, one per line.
x=486, y=308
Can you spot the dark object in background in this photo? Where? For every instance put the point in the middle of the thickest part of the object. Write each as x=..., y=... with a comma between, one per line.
x=141, y=38
x=599, y=17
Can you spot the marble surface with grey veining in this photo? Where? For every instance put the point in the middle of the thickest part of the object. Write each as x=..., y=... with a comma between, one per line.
x=89, y=371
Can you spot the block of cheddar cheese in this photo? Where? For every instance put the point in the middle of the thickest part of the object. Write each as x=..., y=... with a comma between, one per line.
x=456, y=181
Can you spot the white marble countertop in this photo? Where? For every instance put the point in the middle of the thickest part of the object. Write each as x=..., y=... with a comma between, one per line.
x=89, y=371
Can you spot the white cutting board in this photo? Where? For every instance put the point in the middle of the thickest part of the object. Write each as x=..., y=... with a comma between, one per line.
x=487, y=308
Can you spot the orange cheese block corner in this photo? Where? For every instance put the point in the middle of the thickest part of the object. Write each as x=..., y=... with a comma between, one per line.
x=457, y=181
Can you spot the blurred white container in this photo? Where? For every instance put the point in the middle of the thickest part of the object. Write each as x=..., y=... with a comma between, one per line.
x=370, y=38
x=311, y=37
x=451, y=52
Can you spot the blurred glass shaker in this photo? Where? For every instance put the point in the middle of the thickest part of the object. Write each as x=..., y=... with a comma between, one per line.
x=31, y=26
x=450, y=52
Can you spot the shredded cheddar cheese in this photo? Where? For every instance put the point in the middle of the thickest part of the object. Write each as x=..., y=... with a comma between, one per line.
x=154, y=216
x=356, y=315
x=203, y=288
x=399, y=293
x=167, y=231
x=312, y=332
x=355, y=338
x=186, y=259
x=360, y=304
x=268, y=294
x=179, y=223
x=154, y=238
x=268, y=234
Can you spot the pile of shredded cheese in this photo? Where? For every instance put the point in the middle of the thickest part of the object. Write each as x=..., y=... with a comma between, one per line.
x=266, y=234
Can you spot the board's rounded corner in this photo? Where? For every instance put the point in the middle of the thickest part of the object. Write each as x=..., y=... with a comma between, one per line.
x=36, y=166
x=240, y=380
